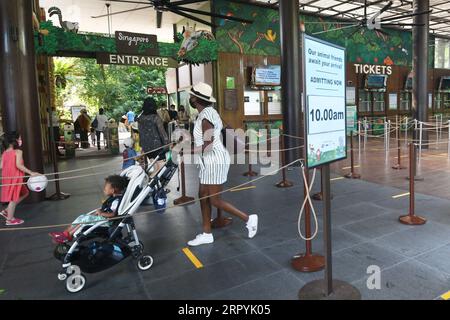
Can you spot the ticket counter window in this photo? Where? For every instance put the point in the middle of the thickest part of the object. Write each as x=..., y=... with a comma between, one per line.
x=253, y=103
x=405, y=101
x=393, y=105
x=378, y=102
x=274, y=102
x=364, y=101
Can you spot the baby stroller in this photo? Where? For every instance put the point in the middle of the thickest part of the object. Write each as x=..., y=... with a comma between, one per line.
x=102, y=245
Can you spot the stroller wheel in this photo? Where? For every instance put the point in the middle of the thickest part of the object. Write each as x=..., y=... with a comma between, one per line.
x=144, y=263
x=75, y=283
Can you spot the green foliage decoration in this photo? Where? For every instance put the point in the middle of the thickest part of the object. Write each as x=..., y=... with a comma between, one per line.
x=262, y=36
x=58, y=41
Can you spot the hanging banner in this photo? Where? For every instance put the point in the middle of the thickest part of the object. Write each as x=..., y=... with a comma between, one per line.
x=325, y=107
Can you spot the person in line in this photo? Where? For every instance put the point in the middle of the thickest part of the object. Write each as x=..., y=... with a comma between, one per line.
x=130, y=117
x=214, y=162
x=14, y=191
x=123, y=124
x=165, y=116
x=173, y=114
x=114, y=188
x=129, y=155
x=92, y=134
x=151, y=133
x=183, y=117
x=84, y=123
x=102, y=121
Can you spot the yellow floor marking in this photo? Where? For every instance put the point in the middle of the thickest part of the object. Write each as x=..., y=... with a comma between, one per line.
x=338, y=178
x=242, y=189
x=446, y=296
x=400, y=195
x=345, y=168
x=193, y=258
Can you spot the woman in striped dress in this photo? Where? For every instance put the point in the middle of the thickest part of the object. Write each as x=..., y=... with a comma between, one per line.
x=214, y=162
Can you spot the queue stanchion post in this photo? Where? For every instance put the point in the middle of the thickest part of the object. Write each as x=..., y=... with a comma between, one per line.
x=58, y=195
x=308, y=261
x=406, y=131
x=250, y=172
x=420, y=140
x=398, y=166
x=352, y=174
x=365, y=132
x=283, y=183
x=359, y=136
x=411, y=218
x=448, y=145
x=183, y=199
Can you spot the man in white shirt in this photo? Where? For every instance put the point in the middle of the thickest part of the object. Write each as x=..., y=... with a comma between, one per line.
x=102, y=121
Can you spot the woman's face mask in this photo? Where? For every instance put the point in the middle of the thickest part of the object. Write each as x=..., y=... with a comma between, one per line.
x=19, y=142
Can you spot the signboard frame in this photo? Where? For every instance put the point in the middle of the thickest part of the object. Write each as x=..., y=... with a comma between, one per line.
x=305, y=100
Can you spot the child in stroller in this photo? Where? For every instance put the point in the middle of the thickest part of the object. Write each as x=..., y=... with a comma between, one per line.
x=114, y=187
x=102, y=244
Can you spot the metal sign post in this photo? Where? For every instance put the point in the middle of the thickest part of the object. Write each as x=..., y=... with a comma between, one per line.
x=325, y=142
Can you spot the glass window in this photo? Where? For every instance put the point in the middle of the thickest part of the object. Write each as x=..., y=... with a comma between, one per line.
x=405, y=101
x=378, y=102
x=442, y=53
x=364, y=101
x=274, y=103
x=351, y=96
x=253, y=103
x=393, y=101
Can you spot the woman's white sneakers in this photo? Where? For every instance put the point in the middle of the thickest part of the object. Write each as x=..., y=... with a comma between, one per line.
x=252, y=225
x=203, y=238
x=206, y=238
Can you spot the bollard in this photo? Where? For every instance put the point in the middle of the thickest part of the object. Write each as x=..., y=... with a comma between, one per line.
x=183, y=199
x=398, y=166
x=352, y=174
x=283, y=183
x=411, y=218
x=308, y=262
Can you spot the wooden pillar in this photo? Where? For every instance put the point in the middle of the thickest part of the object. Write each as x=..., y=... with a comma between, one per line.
x=18, y=81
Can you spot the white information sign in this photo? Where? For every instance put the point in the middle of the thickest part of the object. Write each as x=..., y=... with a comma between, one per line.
x=324, y=81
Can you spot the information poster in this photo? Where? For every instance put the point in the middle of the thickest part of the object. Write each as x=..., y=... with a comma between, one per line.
x=324, y=65
x=352, y=120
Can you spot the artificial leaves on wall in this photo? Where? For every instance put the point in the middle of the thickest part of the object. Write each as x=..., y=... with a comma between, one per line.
x=58, y=41
x=262, y=37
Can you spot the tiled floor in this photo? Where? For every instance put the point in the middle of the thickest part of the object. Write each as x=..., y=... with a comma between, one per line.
x=414, y=261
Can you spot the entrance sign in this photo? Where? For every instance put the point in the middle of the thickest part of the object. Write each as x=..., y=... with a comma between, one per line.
x=136, y=60
x=325, y=105
x=137, y=43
